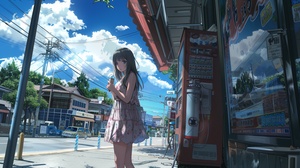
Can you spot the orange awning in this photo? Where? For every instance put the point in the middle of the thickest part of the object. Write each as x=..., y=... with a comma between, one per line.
x=139, y=11
x=4, y=111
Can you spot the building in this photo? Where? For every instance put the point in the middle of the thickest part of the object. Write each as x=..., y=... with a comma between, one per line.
x=5, y=106
x=158, y=121
x=66, y=107
x=101, y=112
x=238, y=81
x=5, y=112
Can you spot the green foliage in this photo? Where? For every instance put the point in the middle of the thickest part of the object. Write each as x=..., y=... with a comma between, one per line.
x=31, y=96
x=244, y=84
x=36, y=79
x=11, y=96
x=108, y=101
x=56, y=81
x=172, y=71
x=108, y=4
x=95, y=93
x=11, y=71
x=83, y=85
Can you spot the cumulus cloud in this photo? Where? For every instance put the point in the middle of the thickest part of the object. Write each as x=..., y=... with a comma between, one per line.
x=241, y=51
x=90, y=54
x=6, y=61
x=121, y=27
x=160, y=83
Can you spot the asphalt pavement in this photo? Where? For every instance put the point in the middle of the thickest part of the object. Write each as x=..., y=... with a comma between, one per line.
x=143, y=156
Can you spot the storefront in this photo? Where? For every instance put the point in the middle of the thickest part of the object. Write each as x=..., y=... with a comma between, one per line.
x=256, y=93
x=261, y=65
x=83, y=119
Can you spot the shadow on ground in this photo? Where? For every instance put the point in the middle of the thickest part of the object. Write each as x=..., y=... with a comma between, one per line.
x=158, y=151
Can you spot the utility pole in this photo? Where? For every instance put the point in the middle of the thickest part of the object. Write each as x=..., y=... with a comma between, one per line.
x=13, y=132
x=50, y=96
x=48, y=55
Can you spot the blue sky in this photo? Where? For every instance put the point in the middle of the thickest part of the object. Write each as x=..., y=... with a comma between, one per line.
x=89, y=33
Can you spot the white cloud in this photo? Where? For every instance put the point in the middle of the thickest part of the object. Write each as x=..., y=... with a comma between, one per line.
x=88, y=53
x=160, y=83
x=241, y=51
x=121, y=27
x=6, y=61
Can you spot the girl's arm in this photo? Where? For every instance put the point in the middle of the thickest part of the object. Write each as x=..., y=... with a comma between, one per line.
x=130, y=88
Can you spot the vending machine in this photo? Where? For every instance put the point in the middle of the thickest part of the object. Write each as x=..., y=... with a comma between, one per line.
x=199, y=117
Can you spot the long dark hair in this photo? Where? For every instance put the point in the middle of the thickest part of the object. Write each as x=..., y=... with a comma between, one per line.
x=125, y=53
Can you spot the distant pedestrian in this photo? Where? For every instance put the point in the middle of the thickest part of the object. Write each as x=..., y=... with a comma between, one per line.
x=125, y=126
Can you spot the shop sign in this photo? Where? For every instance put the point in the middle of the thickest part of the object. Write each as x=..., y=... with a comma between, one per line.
x=83, y=114
x=274, y=47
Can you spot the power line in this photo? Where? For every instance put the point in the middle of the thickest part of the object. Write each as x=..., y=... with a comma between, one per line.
x=73, y=67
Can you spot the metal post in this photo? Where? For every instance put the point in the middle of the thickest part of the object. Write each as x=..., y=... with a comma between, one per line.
x=13, y=133
x=99, y=140
x=76, y=143
x=21, y=144
x=163, y=119
x=50, y=96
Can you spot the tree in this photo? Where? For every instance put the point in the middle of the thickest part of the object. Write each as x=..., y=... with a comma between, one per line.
x=108, y=4
x=11, y=71
x=36, y=78
x=30, y=101
x=83, y=85
x=172, y=71
x=95, y=93
x=56, y=81
x=244, y=84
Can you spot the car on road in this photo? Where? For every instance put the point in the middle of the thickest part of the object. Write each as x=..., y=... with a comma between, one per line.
x=52, y=130
x=72, y=131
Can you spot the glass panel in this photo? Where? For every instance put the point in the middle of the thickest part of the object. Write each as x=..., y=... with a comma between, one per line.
x=254, y=72
x=296, y=18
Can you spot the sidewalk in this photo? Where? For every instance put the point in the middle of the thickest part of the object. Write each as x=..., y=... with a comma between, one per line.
x=142, y=157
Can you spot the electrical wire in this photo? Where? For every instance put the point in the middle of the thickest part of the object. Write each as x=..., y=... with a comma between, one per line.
x=74, y=69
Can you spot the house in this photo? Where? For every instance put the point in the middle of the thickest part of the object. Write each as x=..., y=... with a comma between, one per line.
x=66, y=107
x=5, y=112
x=5, y=106
x=158, y=121
x=101, y=112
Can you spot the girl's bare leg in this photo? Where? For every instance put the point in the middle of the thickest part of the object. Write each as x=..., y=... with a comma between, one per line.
x=120, y=152
x=128, y=156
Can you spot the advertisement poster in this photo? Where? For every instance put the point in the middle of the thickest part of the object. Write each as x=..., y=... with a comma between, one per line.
x=253, y=61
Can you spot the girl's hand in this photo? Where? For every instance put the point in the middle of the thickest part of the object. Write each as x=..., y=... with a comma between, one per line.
x=110, y=86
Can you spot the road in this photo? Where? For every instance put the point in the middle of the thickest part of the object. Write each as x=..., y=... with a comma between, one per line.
x=40, y=145
x=53, y=144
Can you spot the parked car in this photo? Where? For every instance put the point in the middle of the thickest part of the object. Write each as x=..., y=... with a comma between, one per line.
x=52, y=130
x=102, y=132
x=72, y=131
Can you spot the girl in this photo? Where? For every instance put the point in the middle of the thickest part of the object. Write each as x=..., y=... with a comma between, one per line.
x=125, y=125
